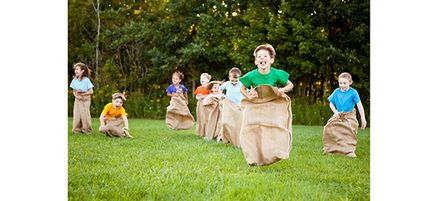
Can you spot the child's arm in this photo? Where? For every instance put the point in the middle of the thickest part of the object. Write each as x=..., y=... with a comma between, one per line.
x=245, y=94
x=125, y=119
x=89, y=92
x=199, y=96
x=362, y=114
x=333, y=108
x=172, y=94
x=76, y=94
x=186, y=98
x=101, y=120
x=288, y=87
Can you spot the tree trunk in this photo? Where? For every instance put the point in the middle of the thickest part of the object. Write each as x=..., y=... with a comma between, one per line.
x=97, y=40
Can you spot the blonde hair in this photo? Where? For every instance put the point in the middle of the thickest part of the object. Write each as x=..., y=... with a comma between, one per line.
x=206, y=75
x=346, y=75
x=267, y=47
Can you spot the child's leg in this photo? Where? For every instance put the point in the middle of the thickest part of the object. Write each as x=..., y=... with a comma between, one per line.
x=76, y=117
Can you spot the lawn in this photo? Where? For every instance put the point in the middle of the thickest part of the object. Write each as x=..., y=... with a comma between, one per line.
x=163, y=164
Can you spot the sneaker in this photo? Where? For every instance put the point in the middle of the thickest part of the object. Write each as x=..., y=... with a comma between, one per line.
x=352, y=155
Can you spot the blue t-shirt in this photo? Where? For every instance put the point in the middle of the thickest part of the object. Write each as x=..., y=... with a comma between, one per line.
x=344, y=101
x=233, y=92
x=173, y=89
x=82, y=85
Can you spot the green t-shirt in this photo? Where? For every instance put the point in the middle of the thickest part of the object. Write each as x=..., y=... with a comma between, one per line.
x=274, y=77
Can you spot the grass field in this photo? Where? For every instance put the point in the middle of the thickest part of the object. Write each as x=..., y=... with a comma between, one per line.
x=162, y=164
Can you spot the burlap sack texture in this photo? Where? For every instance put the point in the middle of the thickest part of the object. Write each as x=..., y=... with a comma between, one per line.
x=231, y=123
x=213, y=104
x=202, y=114
x=340, y=134
x=113, y=127
x=178, y=116
x=82, y=122
x=266, y=128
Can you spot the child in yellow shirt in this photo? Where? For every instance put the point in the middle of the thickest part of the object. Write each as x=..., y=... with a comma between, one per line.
x=113, y=116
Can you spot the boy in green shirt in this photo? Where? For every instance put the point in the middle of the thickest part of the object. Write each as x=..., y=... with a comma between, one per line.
x=265, y=74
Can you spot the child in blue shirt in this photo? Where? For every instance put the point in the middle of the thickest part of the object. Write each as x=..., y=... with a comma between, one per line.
x=82, y=89
x=176, y=89
x=339, y=134
x=233, y=86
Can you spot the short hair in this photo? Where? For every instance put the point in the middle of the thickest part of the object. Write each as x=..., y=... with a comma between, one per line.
x=84, y=67
x=206, y=75
x=267, y=47
x=346, y=75
x=236, y=71
x=180, y=75
x=119, y=95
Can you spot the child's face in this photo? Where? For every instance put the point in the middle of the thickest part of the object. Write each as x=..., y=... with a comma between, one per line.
x=344, y=84
x=263, y=59
x=175, y=79
x=117, y=103
x=204, y=80
x=78, y=71
x=234, y=79
x=215, y=88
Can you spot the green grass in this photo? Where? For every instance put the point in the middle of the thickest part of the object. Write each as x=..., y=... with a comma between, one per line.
x=162, y=164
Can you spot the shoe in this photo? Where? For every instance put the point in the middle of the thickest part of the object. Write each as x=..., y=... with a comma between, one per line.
x=352, y=155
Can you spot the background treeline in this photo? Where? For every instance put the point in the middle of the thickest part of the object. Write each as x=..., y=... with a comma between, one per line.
x=134, y=46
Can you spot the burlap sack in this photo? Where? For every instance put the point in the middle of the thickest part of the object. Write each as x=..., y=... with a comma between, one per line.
x=202, y=114
x=231, y=123
x=81, y=120
x=213, y=125
x=113, y=127
x=266, y=128
x=178, y=116
x=339, y=134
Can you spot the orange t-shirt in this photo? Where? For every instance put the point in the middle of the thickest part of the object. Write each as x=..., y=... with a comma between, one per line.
x=201, y=90
x=109, y=111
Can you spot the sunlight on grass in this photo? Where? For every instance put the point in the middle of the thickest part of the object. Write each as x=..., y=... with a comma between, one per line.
x=163, y=164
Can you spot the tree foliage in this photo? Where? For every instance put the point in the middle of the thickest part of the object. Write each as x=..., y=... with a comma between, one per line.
x=142, y=42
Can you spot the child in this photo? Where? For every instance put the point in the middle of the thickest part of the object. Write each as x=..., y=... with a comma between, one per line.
x=266, y=128
x=339, y=134
x=178, y=115
x=82, y=89
x=212, y=103
x=201, y=113
x=231, y=110
x=233, y=86
x=176, y=89
x=265, y=74
x=201, y=90
x=113, y=116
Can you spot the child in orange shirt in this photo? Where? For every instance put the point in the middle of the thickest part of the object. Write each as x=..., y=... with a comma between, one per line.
x=201, y=90
x=113, y=116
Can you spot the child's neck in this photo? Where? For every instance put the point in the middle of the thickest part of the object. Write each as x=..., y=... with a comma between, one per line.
x=176, y=85
x=264, y=71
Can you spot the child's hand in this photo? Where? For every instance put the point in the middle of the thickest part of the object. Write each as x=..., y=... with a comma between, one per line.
x=280, y=92
x=175, y=94
x=363, y=124
x=252, y=94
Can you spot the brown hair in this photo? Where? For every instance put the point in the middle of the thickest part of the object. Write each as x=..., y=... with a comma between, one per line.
x=267, y=47
x=84, y=67
x=119, y=95
x=346, y=75
x=206, y=75
x=210, y=84
x=235, y=71
x=179, y=74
